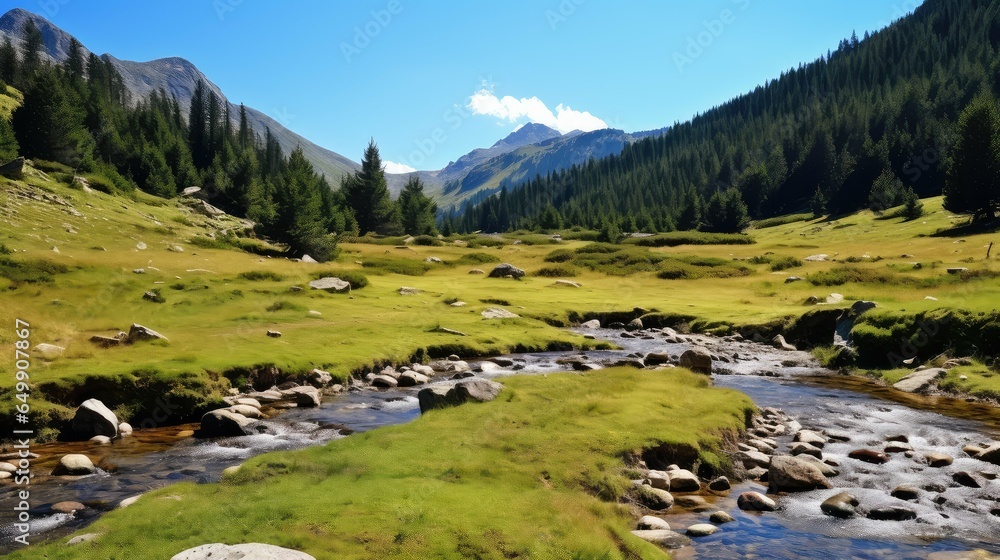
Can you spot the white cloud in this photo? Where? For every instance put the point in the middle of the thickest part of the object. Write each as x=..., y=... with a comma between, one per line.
x=532, y=109
x=393, y=167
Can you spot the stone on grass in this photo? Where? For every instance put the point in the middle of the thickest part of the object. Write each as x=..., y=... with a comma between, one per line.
x=84, y=538
x=498, y=313
x=247, y=551
x=139, y=333
x=330, y=284
x=48, y=351
x=506, y=269
x=920, y=381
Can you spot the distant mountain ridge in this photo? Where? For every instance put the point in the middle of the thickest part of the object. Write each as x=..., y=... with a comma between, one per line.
x=178, y=78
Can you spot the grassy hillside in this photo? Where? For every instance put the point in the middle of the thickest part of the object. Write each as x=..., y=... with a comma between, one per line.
x=71, y=274
x=442, y=486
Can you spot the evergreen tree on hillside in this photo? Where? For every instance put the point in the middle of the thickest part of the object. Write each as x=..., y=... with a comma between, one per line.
x=197, y=126
x=973, y=185
x=726, y=212
x=31, y=56
x=417, y=209
x=8, y=61
x=49, y=124
x=8, y=142
x=75, y=62
x=367, y=196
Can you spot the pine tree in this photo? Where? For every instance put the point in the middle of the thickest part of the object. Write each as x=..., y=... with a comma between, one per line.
x=818, y=203
x=973, y=184
x=8, y=61
x=912, y=207
x=367, y=196
x=417, y=209
x=8, y=142
x=31, y=56
x=75, y=62
x=48, y=125
x=197, y=132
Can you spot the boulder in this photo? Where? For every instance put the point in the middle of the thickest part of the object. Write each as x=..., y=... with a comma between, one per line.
x=634, y=325
x=412, y=379
x=408, y=291
x=780, y=343
x=506, y=269
x=591, y=324
x=920, y=381
x=684, y=481
x=319, y=378
x=755, y=501
x=306, y=396
x=93, y=418
x=330, y=284
x=74, y=465
x=806, y=449
x=815, y=439
x=966, y=479
x=790, y=474
x=842, y=506
x=990, y=454
x=247, y=551
x=659, y=479
x=753, y=459
x=656, y=499
x=13, y=169
x=657, y=358
x=649, y=522
x=139, y=333
x=498, y=313
x=225, y=423
x=701, y=530
x=480, y=390
x=385, y=381
x=697, y=359
x=869, y=456
x=48, y=351
x=721, y=517
x=720, y=484
x=827, y=470
x=436, y=397
x=665, y=538
x=67, y=507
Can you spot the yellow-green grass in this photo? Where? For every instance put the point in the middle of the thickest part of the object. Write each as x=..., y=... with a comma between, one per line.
x=216, y=319
x=537, y=473
x=10, y=99
x=980, y=381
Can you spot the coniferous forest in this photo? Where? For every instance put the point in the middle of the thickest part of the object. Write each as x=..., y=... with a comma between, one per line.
x=876, y=123
x=79, y=114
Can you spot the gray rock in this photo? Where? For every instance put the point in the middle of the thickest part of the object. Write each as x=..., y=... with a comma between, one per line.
x=815, y=439
x=905, y=492
x=84, y=538
x=826, y=469
x=701, y=530
x=659, y=479
x=498, y=313
x=385, y=381
x=842, y=506
x=755, y=501
x=664, y=538
x=330, y=284
x=634, y=324
x=790, y=474
x=306, y=396
x=869, y=456
x=591, y=324
x=434, y=397
x=225, y=423
x=412, y=379
x=408, y=291
x=100, y=440
x=753, y=459
x=806, y=449
x=247, y=551
x=721, y=517
x=720, y=484
x=891, y=513
x=697, y=359
x=920, y=381
x=74, y=464
x=93, y=418
x=780, y=343
x=990, y=454
x=319, y=378
x=657, y=358
x=966, y=479
x=682, y=480
x=48, y=351
x=480, y=390
x=656, y=499
x=506, y=269
x=649, y=522
x=124, y=429
x=139, y=333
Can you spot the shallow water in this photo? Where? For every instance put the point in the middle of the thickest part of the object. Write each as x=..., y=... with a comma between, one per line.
x=817, y=398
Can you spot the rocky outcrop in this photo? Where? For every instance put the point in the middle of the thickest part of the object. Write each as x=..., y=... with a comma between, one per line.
x=920, y=381
x=247, y=551
x=791, y=474
x=506, y=270
x=93, y=418
x=697, y=359
x=477, y=390
x=139, y=333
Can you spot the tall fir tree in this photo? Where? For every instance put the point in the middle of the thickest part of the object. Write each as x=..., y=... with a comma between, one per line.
x=367, y=196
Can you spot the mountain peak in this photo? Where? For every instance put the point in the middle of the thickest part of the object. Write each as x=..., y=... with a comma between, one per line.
x=530, y=133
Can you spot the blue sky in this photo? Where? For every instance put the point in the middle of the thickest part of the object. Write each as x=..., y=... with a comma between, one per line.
x=432, y=80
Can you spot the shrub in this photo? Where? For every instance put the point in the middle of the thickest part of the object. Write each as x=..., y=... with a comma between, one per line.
x=36, y=271
x=846, y=274
x=427, y=241
x=282, y=306
x=675, y=238
x=559, y=256
x=406, y=267
x=258, y=275
x=556, y=271
x=477, y=258
x=777, y=262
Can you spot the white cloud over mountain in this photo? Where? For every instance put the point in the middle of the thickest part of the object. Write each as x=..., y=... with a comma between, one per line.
x=393, y=167
x=533, y=109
